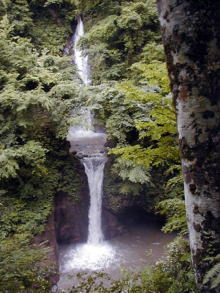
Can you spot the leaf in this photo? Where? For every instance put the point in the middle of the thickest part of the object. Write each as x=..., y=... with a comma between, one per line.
x=213, y=275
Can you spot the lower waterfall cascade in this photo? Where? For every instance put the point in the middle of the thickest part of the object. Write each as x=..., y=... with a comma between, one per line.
x=94, y=167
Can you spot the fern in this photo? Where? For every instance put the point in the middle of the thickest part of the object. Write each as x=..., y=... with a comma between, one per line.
x=213, y=275
x=174, y=209
x=134, y=173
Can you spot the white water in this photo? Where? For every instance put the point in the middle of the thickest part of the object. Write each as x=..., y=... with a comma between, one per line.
x=80, y=59
x=140, y=247
x=96, y=254
x=94, y=168
x=83, y=136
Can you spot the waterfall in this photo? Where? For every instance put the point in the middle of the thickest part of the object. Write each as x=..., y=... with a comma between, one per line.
x=89, y=145
x=80, y=59
x=94, y=168
x=96, y=254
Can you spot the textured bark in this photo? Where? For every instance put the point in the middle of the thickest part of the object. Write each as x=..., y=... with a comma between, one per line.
x=191, y=36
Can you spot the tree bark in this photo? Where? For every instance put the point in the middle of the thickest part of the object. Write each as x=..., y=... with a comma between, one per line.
x=191, y=37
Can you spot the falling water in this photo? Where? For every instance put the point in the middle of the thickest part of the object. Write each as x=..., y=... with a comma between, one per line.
x=94, y=168
x=80, y=59
x=89, y=145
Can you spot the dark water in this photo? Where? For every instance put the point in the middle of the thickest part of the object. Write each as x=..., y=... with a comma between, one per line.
x=141, y=246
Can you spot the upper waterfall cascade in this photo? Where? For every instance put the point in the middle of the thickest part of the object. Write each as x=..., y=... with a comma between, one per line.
x=83, y=139
x=81, y=60
x=94, y=168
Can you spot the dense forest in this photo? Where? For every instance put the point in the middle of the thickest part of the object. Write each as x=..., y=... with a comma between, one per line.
x=131, y=100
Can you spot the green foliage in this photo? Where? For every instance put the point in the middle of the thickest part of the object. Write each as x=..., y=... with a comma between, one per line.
x=20, y=16
x=58, y=2
x=38, y=88
x=30, y=87
x=152, y=52
x=140, y=122
x=40, y=20
x=116, y=35
x=159, y=126
x=174, y=209
x=141, y=125
x=152, y=115
x=135, y=174
x=213, y=275
x=31, y=154
x=18, y=216
x=37, y=92
x=20, y=267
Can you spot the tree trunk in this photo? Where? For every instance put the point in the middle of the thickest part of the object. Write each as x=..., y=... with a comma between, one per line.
x=191, y=37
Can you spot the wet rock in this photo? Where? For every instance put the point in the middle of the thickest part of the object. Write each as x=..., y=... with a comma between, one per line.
x=71, y=218
x=110, y=225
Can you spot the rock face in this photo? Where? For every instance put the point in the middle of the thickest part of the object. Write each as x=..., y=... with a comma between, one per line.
x=110, y=225
x=71, y=219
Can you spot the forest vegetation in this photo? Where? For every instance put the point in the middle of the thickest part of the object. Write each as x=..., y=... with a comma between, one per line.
x=130, y=96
